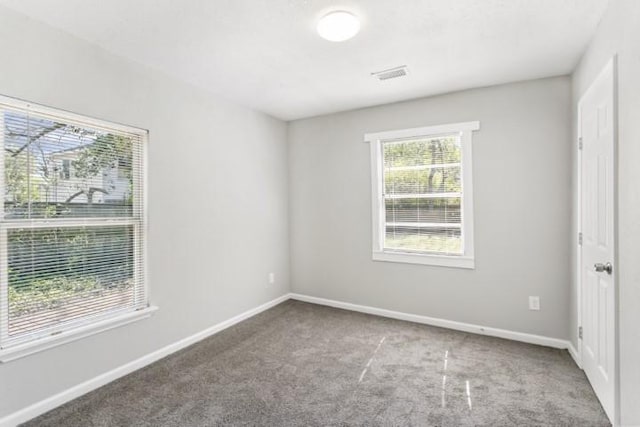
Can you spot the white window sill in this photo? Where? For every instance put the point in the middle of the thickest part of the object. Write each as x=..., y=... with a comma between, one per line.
x=37, y=345
x=425, y=259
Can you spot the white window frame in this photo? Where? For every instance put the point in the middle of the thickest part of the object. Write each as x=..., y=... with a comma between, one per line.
x=74, y=330
x=379, y=253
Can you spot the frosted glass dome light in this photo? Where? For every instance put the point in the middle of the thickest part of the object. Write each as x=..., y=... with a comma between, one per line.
x=338, y=26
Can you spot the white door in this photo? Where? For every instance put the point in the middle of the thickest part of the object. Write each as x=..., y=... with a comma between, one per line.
x=597, y=211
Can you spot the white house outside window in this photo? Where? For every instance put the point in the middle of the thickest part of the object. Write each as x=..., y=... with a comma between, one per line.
x=422, y=195
x=72, y=226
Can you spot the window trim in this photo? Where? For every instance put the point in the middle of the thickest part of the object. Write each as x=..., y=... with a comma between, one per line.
x=69, y=335
x=375, y=140
x=78, y=329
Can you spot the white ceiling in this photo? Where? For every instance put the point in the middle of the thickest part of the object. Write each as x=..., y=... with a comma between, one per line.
x=265, y=54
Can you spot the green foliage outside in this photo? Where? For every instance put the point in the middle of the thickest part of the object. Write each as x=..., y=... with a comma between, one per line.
x=42, y=294
x=428, y=243
x=17, y=184
x=422, y=153
x=65, y=263
x=108, y=151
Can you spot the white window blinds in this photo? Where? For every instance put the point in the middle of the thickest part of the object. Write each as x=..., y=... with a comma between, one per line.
x=72, y=225
x=423, y=194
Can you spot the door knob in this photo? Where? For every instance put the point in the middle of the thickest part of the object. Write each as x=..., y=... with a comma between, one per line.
x=603, y=267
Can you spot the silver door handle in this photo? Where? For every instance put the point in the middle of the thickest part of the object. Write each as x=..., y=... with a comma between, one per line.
x=603, y=267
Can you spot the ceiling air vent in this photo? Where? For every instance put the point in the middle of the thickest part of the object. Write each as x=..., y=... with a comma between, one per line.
x=391, y=73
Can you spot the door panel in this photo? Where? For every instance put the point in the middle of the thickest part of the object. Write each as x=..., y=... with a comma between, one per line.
x=597, y=210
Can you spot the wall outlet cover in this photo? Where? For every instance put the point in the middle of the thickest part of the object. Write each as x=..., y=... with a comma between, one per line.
x=534, y=303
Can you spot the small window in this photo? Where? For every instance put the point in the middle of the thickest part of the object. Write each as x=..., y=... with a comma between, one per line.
x=66, y=169
x=72, y=242
x=124, y=168
x=422, y=195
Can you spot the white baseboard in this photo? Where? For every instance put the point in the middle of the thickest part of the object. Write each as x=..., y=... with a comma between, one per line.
x=575, y=355
x=65, y=396
x=443, y=323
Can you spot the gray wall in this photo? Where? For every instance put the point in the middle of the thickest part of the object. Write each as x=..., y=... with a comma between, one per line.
x=209, y=260
x=522, y=191
x=619, y=33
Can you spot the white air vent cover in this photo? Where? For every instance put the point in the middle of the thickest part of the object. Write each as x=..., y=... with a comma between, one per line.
x=391, y=73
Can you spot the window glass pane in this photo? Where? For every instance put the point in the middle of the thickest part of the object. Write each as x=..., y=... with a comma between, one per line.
x=400, y=181
x=57, y=170
x=421, y=152
x=61, y=274
x=423, y=195
x=417, y=210
x=438, y=240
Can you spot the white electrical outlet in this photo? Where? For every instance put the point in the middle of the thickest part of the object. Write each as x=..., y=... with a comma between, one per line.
x=272, y=278
x=534, y=303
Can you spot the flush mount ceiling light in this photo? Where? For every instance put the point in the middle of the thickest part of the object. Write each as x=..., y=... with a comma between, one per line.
x=338, y=26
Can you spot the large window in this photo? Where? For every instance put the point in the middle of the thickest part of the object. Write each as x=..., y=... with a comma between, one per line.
x=72, y=225
x=422, y=195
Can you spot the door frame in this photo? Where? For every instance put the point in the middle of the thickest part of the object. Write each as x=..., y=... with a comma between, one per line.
x=613, y=63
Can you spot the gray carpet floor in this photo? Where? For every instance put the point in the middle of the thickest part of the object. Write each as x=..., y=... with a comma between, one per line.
x=300, y=364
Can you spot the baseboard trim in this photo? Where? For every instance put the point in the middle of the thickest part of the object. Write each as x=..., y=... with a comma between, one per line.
x=575, y=354
x=443, y=323
x=65, y=396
